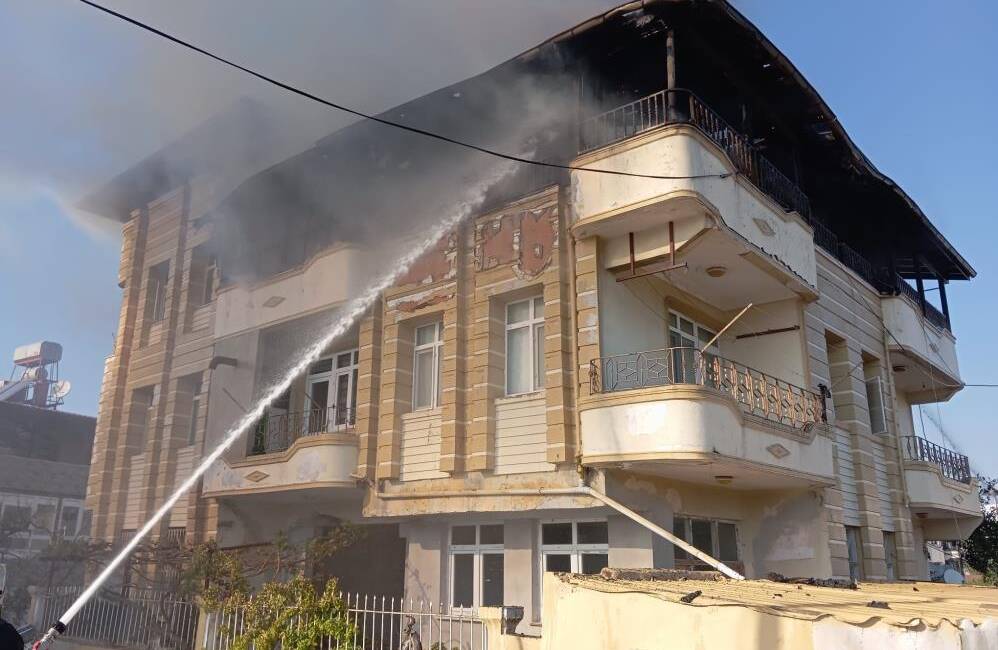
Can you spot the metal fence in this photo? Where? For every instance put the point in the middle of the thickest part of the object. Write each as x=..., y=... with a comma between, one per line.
x=379, y=623
x=278, y=431
x=755, y=391
x=954, y=465
x=679, y=106
x=131, y=622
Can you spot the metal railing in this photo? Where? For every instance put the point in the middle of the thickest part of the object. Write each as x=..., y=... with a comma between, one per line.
x=379, y=623
x=112, y=621
x=683, y=107
x=276, y=432
x=953, y=465
x=756, y=392
x=932, y=314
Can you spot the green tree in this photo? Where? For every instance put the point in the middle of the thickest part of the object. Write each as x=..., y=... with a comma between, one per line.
x=980, y=550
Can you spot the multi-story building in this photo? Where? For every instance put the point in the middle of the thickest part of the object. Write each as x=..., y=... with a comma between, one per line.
x=44, y=456
x=725, y=330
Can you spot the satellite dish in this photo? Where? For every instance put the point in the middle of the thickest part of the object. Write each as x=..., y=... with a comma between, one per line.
x=61, y=388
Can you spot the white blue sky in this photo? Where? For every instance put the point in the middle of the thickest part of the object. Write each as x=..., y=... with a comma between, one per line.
x=914, y=82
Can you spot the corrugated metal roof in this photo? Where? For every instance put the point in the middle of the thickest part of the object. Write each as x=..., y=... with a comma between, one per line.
x=908, y=604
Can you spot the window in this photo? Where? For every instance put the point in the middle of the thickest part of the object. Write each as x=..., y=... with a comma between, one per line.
x=685, y=338
x=70, y=517
x=875, y=404
x=144, y=403
x=332, y=392
x=44, y=519
x=193, y=384
x=156, y=290
x=854, y=547
x=575, y=546
x=202, y=277
x=890, y=555
x=477, y=565
x=525, y=346
x=718, y=539
x=426, y=366
x=15, y=519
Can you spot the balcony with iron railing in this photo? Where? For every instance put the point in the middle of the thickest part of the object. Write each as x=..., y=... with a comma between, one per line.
x=276, y=432
x=942, y=490
x=755, y=392
x=685, y=413
x=311, y=449
x=952, y=465
x=680, y=106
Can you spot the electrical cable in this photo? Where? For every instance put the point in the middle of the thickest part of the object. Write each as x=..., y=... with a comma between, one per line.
x=381, y=120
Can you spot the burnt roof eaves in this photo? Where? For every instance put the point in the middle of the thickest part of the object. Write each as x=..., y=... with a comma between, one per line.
x=840, y=131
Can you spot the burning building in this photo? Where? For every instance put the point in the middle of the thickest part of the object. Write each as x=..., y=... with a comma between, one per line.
x=714, y=311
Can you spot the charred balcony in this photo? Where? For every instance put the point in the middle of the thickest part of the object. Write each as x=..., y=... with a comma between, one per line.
x=680, y=106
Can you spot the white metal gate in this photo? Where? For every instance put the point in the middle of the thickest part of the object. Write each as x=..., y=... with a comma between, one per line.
x=380, y=623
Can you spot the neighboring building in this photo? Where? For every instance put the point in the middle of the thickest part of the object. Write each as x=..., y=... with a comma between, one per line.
x=559, y=333
x=44, y=456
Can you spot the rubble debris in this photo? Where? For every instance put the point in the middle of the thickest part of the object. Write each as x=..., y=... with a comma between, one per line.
x=879, y=604
x=690, y=597
x=609, y=573
x=814, y=582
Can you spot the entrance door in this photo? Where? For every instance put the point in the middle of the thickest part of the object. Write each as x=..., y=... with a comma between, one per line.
x=332, y=392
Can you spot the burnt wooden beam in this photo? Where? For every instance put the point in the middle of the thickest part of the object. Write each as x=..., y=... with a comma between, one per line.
x=778, y=330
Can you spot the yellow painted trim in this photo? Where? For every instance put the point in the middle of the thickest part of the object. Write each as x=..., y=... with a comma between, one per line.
x=703, y=457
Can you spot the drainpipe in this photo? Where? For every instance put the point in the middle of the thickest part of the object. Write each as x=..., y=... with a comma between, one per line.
x=573, y=302
x=581, y=491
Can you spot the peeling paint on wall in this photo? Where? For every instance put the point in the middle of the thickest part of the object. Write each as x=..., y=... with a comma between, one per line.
x=526, y=239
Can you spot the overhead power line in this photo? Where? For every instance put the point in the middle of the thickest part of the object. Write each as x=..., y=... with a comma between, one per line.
x=398, y=125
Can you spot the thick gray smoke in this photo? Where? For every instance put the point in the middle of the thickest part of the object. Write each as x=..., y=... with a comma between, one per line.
x=95, y=95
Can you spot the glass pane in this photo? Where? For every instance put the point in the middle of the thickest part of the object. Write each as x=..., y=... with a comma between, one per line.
x=593, y=532
x=324, y=365
x=518, y=312
x=594, y=562
x=464, y=580
x=423, y=379
x=491, y=534
x=538, y=356
x=343, y=399
x=462, y=535
x=672, y=320
x=679, y=530
x=539, y=307
x=700, y=535
x=492, y=580
x=727, y=542
x=518, y=366
x=317, y=418
x=426, y=334
x=556, y=533
x=560, y=562
x=704, y=336
x=686, y=326
x=343, y=359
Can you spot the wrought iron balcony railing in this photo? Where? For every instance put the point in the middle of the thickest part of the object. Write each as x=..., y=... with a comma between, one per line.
x=683, y=107
x=756, y=392
x=276, y=432
x=953, y=465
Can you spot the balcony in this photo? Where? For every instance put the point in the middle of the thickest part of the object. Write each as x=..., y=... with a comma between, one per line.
x=941, y=490
x=725, y=195
x=695, y=416
x=276, y=432
x=923, y=351
x=310, y=450
x=683, y=107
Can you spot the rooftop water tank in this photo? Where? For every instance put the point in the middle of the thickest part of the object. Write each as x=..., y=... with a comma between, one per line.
x=37, y=354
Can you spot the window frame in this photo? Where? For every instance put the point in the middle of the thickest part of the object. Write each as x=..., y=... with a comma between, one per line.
x=890, y=556
x=157, y=284
x=74, y=531
x=882, y=411
x=197, y=386
x=535, y=346
x=332, y=376
x=857, y=561
x=436, y=346
x=715, y=539
x=477, y=550
x=575, y=550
